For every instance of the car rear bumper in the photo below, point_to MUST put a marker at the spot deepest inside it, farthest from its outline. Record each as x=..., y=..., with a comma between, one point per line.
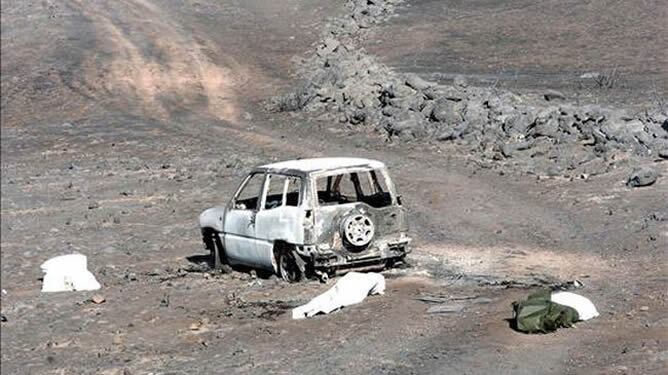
x=378, y=252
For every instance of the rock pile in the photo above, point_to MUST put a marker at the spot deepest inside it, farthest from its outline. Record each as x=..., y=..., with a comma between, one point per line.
x=538, y=133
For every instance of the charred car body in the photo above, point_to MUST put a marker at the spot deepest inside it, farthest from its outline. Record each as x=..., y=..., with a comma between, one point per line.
x=310, y=217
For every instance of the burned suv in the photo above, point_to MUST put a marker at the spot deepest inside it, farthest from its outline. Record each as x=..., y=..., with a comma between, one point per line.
x=310, y=217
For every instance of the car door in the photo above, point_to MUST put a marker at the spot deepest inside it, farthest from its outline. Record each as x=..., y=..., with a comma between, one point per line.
x=239, y=225
x=280, y=217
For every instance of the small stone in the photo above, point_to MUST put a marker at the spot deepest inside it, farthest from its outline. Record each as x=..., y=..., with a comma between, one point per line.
x=644, y=308
x=98, y=299
x=117, y=340
x=93, y=205
x=552, y=95
x=446, y=308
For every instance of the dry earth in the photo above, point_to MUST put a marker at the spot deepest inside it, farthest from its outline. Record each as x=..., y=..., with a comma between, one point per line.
x=121, y=123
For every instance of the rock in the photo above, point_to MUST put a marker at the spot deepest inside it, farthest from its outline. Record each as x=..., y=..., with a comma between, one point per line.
x=447, y=112
x=552, y=95
x=460, y=82
x=590, y=75
x=93, y=205
x=117, y=340
x=415, y=82
x=643, y=176
x=447, y=135
x=517, y=124
x=3, y=318
x=509, y=148
x=481, y=300
x=98, y=299
x=328, y=46
x=475, y=113
x=446, y=308
x=663, y=153
x=444, y=92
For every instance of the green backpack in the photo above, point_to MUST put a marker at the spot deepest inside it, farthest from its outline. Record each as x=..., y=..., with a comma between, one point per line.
x=538, y=314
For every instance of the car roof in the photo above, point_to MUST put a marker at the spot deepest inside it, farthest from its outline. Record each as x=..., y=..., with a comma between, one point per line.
x=317, y=165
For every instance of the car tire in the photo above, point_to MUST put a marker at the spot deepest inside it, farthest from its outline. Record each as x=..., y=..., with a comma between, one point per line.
x=288, y=269
x=213, y=242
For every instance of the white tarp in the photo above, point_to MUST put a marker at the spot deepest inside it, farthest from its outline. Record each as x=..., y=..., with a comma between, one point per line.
x=585, y=308
x=352, y=288
x=67, y=273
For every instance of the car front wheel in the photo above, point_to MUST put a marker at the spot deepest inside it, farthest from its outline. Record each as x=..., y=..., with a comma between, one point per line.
x=215, y=245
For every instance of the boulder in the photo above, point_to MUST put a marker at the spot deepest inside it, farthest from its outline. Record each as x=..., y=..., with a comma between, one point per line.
x=552, y=95
x=447, y=112
x=642, y=176
x=415, y=82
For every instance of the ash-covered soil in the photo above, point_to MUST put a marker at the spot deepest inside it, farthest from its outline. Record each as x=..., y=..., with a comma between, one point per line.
x=122, y=122
x=543, y=134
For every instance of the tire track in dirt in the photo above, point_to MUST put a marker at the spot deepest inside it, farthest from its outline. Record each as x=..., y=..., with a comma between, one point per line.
x=153, y=60
x=157, y=62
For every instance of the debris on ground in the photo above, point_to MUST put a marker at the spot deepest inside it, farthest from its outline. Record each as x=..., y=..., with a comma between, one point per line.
x=351, y=289
x=198, y=325
x=545, y=311
x=450, y=303
x=98, y=299
x=68, y=273
x=643, y=176
x=446, y=308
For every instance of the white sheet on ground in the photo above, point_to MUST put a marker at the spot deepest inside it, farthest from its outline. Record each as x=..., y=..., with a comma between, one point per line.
x=352, y=288
x=585, y=308
x=68, y=273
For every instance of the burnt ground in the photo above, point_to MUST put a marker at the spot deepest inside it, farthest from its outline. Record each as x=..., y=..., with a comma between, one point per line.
x=534, y=45
x=120, y=124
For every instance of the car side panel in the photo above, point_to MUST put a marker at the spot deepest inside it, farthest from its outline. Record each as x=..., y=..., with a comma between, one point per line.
x=284, y=223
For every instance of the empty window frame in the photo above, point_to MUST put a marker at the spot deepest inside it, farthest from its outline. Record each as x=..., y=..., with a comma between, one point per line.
x=282, y=191
x=365, y=186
